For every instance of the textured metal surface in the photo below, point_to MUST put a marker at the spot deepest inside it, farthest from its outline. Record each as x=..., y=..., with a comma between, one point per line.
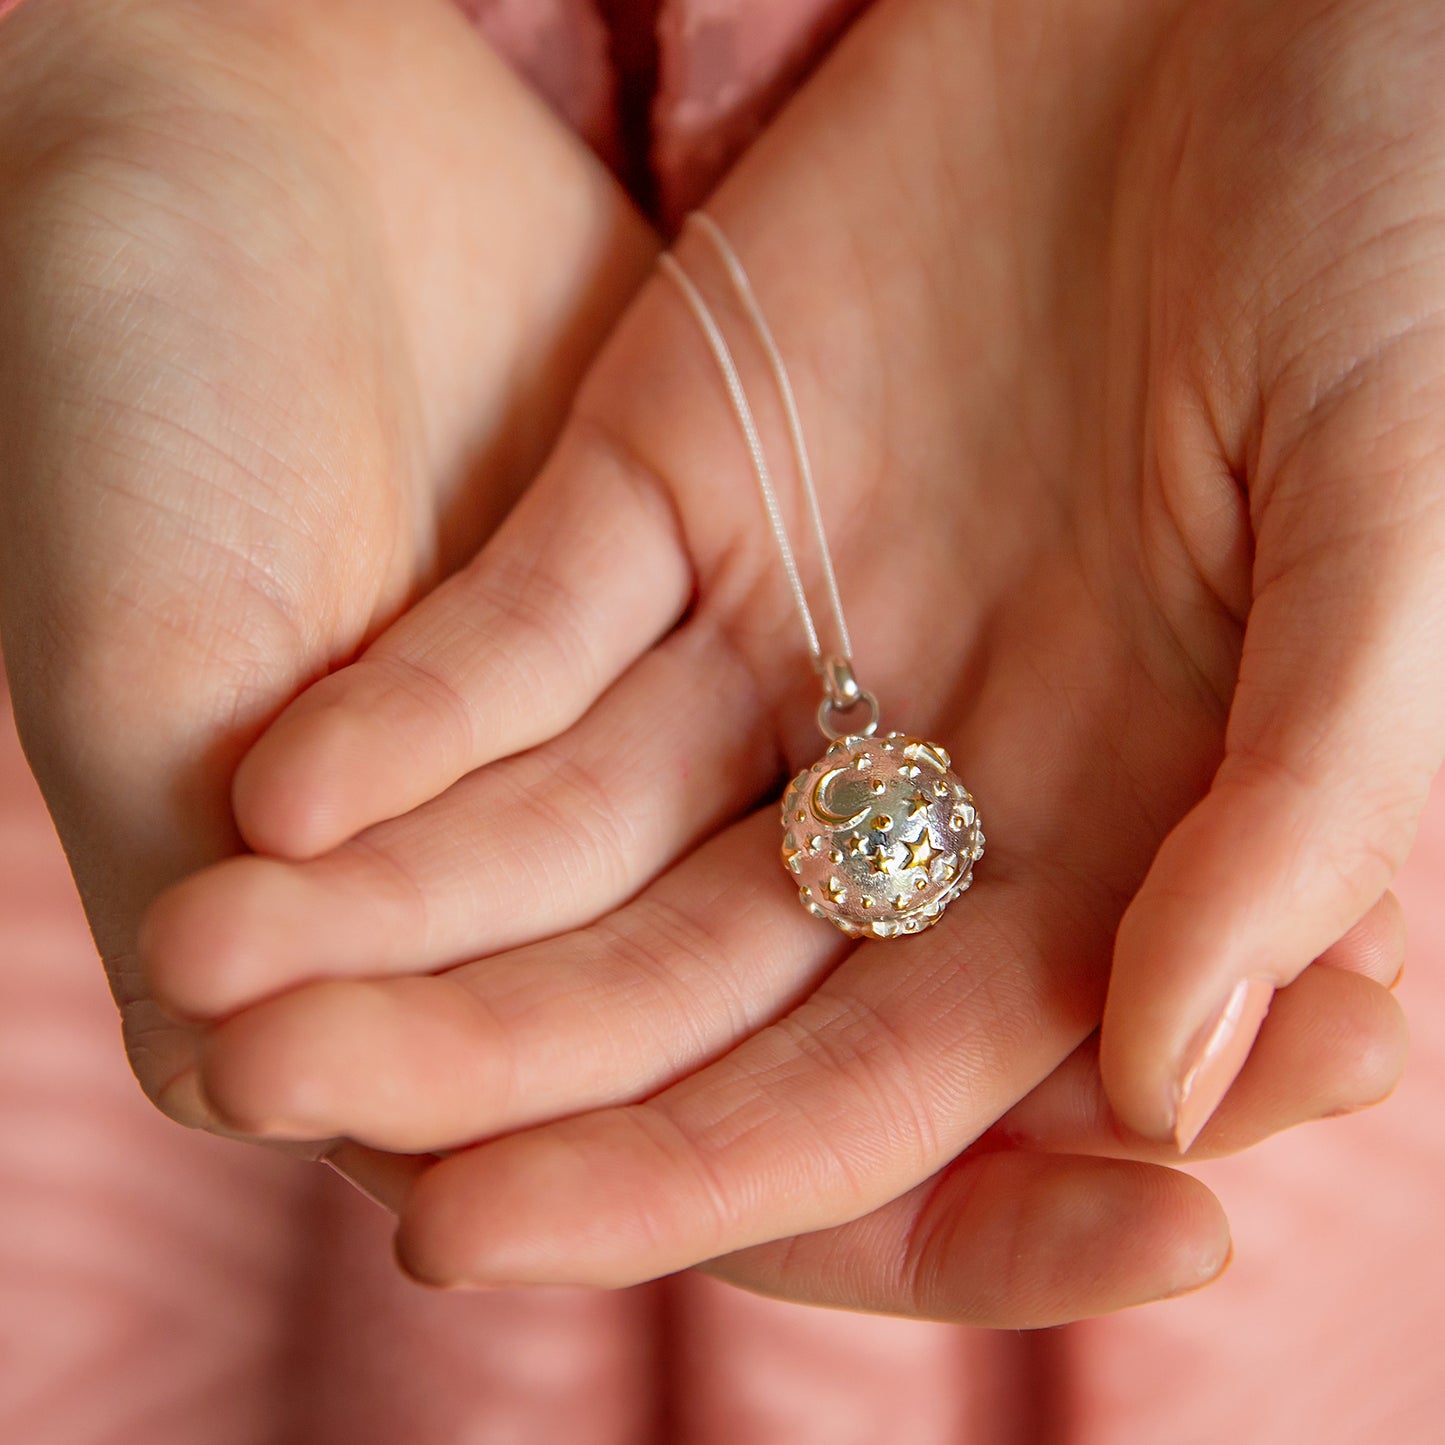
x=880, y=835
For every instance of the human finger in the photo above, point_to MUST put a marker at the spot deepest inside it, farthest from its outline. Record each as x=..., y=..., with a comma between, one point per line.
x=1375, y=946
x=607, y=1014
x=583, y=576
x=891, y=1067
x=524, y=849
x=1336, y=729
x=247, y=407
x=1334, y=1042
x=1006, y=1240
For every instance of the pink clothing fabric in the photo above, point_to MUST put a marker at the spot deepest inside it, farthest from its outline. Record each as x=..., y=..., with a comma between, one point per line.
x=713, y=73
x=562, y=48
x=725, y=67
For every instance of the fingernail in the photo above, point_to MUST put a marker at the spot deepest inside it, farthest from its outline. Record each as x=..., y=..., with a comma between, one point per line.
x=1208, y=1273
x=355, y=1183
x=1218, y=1057
x=429, y=1279
x=385, y=1179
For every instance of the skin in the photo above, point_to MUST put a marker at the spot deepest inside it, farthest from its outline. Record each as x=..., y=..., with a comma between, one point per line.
x=1130, y=479
x=245, y=251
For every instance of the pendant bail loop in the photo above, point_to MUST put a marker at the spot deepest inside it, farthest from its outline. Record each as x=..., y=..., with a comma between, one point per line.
x=839, y=682
x=841, y=694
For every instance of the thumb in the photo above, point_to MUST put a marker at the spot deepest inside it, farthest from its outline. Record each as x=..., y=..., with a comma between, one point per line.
x=1335, y=732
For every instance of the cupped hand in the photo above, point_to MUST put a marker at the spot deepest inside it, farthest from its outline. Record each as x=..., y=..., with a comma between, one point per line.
x=293, y=296
x=1115, y=337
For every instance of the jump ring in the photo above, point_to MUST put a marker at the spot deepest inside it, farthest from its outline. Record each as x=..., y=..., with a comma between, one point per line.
x=827, y=709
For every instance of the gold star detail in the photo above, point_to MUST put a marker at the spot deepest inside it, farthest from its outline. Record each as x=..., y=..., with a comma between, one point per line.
x=917, y=804
x=901, y=901
x=791, y=854
x=856, y=844
x=921, y=851
x=930, y=753
x=881, y=862
x=835, y=889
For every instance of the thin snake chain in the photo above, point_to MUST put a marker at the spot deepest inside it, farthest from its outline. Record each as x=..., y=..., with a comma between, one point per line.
x=879, y=834
x=836, y=668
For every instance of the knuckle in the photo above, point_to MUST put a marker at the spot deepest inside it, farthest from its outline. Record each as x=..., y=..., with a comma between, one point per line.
x=694, y=1196
x=884, y=1084
x=661, y=955
x=405, y=683
x=533, y=627
x=582, y=804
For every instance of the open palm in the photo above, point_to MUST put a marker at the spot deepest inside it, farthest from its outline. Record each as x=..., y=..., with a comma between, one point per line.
x=294, y=297
x=1128, y=482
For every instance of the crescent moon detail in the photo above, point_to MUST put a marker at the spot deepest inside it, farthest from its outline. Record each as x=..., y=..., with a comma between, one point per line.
x=824, y=814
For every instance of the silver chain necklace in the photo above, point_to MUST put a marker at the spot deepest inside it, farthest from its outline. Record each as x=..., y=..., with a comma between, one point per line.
x=879, y=834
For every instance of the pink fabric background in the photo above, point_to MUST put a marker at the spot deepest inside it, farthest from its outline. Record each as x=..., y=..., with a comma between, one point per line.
x=668, y=92
x=168, y=1288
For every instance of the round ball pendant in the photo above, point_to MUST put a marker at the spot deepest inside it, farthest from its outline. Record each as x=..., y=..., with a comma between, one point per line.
x=880, y=835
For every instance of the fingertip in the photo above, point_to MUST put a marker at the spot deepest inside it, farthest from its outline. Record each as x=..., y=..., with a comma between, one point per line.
x=229, y=1073
x=1363, y=1032
x=1165, y=1231
x=1375, y=946
x=417, y=1270
x=184, y=1101
x=414, y=1265
x=1389, y=918
x=1200, y=1244
x=534, y=1208
x=1086, y=1237
x=1209, y=1266
x=1238, y=897
x=426, y=1244
x=173, y=935
x=317, y=777
x=1131, y=1066
x=285, y=1068
x=1370, y=1042
x=206, y=943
